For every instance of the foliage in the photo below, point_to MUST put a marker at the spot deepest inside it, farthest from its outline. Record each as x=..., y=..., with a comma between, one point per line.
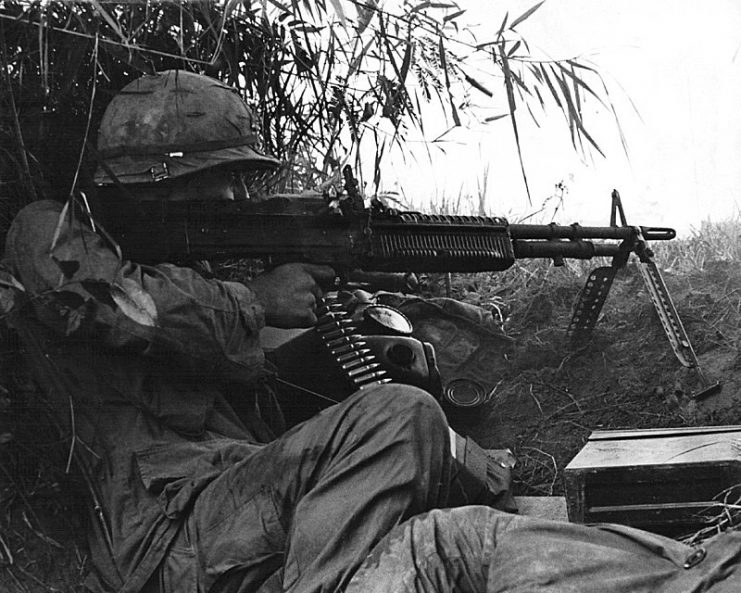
x=625, y=376
x=544, y=408
x=710, y=243
x=326, y=77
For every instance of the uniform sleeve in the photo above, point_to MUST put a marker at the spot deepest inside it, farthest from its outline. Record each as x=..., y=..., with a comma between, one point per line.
x=80, y=285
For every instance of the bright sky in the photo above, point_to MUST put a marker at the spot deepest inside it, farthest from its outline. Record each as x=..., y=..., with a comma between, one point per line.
x=678, y=61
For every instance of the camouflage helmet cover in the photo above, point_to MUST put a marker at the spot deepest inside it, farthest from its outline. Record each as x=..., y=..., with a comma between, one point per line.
x=173, y=123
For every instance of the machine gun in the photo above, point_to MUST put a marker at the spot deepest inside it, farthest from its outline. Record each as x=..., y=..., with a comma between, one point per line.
x=378, y=238
x=339, y=230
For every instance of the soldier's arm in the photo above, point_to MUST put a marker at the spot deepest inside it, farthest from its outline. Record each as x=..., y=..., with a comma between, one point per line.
x=78, y=283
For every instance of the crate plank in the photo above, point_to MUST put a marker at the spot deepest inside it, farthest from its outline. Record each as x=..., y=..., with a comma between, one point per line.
x=663, y=480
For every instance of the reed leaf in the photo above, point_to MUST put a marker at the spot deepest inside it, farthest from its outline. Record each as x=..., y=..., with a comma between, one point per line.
x=283, y=57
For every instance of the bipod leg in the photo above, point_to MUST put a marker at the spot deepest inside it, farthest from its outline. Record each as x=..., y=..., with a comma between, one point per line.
x=708, y=388
x=594, y=294
x=672, y=324
x=591, y=299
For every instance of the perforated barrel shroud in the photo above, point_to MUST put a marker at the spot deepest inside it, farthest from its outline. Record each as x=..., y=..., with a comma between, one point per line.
x=431, y=242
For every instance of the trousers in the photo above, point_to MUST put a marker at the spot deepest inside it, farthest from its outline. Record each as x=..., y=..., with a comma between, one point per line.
x=480, y=550
x=302, y=513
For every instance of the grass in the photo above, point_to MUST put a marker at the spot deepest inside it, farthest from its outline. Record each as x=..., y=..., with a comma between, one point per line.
x=707, y=245
x=625, y=376
x=547, y=402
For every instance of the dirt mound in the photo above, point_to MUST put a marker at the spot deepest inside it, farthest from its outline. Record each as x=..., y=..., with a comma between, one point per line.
x=624, y=376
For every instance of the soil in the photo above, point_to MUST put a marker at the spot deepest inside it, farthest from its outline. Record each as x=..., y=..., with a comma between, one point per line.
x=625, y=375
x=551, y=396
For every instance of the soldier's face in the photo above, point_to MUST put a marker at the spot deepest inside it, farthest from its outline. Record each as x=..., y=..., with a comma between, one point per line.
x=213, y=184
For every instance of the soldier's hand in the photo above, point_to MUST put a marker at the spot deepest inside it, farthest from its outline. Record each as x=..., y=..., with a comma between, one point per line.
x=289, y=293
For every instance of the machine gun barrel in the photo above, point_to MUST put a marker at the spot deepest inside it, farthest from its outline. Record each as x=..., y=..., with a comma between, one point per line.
x=577, y=242
x=574, y=232
x=526, y=249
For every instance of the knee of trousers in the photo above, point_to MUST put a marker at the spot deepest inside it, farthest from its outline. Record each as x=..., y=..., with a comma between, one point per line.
x=446, y=549
x=404, y=405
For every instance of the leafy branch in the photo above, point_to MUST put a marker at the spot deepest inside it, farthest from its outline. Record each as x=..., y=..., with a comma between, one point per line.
x=326, y=76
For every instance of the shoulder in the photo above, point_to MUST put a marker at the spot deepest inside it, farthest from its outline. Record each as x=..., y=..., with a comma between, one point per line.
x=39, y=208
x=35, y=218
x=32, y=225
x=40, y=243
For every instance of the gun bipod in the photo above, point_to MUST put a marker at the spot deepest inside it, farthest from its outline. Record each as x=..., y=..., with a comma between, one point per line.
x=594, y=294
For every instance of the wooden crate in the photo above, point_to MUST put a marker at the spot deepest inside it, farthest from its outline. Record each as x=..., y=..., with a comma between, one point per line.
x=662, y=480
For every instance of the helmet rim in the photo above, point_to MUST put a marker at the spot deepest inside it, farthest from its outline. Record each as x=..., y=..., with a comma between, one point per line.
x=128, y=168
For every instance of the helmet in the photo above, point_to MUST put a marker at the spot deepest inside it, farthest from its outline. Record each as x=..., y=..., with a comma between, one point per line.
x=172, y=123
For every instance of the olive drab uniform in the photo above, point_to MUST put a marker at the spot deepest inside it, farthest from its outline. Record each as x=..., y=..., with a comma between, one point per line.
x=190, y=495
x=480, y=550
x=159, y=375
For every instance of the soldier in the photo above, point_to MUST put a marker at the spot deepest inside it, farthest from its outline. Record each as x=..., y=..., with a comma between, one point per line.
x=142, y=362
x=146, y=363
x=477, y=549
